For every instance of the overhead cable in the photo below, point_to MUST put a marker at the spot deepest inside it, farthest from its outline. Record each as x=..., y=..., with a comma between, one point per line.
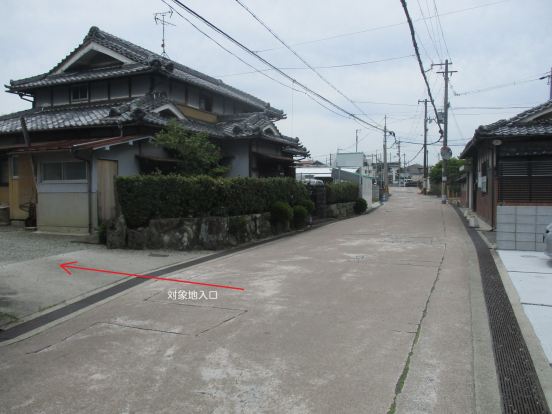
x=441, y=28
x=241, y=46
x=412, y=33
x=300, y=58
x=320, y=67
x=379, y=28
x=541, y=76
x=427, y=28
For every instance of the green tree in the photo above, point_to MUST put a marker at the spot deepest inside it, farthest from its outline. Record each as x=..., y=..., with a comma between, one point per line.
x=436, y=173
x=195, y=154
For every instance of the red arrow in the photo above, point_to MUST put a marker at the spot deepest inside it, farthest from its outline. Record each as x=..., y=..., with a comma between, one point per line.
x=66, y=265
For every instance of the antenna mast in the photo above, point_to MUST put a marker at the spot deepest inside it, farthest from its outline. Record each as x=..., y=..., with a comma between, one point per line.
x=162, y=22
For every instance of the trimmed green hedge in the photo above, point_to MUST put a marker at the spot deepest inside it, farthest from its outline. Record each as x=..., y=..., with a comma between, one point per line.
x=361, y=205
x=343, y=192
x=146, y=197
x=300, y=214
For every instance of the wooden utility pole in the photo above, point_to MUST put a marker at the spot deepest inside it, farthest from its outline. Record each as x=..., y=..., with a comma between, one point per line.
x=399, y=154
x=404, y=169
x=445, y=128
x=445, y=137
x=386, y=175
x=425, y=146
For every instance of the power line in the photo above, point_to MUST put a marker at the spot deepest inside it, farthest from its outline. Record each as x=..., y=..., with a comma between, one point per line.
x=378, y=28
x=503, y=85
x=319, y=67
x=427, y=28
x=300, y=58
x=456, y=122
x=441, y=28
x=241, y=46
x=412, y=33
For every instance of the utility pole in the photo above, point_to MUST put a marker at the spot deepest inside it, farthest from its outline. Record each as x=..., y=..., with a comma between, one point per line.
x=445, y=137
x=386, y=176
x=445, y=130
x=404, y=168
x=425, y=146
x=356, y=146
x=399, y=154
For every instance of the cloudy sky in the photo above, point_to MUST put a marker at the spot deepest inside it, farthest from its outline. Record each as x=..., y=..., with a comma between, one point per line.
x=363, y=49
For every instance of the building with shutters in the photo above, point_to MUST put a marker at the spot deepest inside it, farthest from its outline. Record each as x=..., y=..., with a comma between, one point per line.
x=510, y=178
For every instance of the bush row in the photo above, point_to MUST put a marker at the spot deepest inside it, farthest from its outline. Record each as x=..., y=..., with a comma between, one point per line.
x=343, y=192
x=146, y=197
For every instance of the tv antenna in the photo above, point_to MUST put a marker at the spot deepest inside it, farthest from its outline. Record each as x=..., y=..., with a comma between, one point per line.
x=160, y=19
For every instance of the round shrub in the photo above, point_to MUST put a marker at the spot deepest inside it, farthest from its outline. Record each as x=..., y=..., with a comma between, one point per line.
x=281, y=212
x=309, y=205
x=360, y=205
x=300, y=214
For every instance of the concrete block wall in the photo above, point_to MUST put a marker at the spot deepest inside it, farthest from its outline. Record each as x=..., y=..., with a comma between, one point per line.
x=522, y=227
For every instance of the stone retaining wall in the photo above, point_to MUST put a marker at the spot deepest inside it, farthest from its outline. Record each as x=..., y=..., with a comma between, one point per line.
x=208, y=233
x=340, y=210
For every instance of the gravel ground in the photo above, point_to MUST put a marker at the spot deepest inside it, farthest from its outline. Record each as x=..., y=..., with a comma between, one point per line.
x=19, y=245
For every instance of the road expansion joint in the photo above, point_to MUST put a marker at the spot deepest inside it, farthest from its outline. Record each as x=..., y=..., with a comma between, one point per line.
x=403, y=376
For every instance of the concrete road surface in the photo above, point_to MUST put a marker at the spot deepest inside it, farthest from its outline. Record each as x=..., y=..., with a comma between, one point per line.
x=367, y=315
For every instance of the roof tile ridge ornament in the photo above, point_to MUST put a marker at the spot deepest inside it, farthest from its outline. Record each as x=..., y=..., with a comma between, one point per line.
x=157, y=63
x=94, y=33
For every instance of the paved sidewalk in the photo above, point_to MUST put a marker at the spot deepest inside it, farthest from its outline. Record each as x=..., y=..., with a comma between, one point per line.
x=366, y=315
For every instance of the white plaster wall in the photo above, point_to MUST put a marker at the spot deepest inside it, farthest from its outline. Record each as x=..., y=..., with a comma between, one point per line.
x=151, y=150
x=162, y=85
x=61, y=95
x=218, y=105
x=240, y=162
x=228, y=107
x=43, y=96
x=125, y=154
x=139, y=85
x=179, y=92
x=193, y=97
x=119, y=88
x=98, y=91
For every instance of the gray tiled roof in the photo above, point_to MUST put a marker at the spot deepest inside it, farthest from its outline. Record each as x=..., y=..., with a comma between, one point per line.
x=531, y=128
x=516, y=125
x=145, y=61
x=141, y=110
x=88, y=75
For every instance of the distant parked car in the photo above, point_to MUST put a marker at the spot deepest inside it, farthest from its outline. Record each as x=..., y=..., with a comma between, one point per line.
x=411, y=184
x=313, y=181
x=547, y=240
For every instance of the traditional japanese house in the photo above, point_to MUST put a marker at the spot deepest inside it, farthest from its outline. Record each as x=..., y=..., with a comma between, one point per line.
x=94, y=116
x=511, y=176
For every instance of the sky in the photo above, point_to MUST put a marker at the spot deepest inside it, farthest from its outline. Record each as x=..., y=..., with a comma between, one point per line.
x=362, y=51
